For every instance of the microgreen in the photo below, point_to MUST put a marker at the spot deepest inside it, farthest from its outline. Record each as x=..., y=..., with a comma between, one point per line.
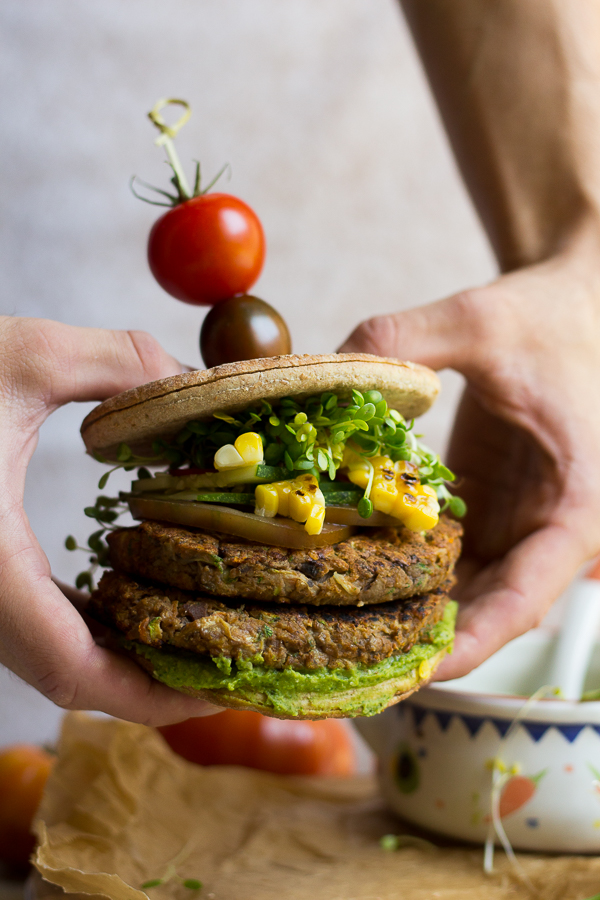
x=105, y=511
x=126, y=460
x=192, y=884
x=304, y=436
x=392, y=842
x=311, y=435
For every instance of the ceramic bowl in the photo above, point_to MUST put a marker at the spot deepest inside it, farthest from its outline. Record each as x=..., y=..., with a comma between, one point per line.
x=436, y=753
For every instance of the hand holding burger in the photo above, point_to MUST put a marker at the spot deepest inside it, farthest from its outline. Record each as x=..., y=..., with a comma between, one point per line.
x=526, y=439
x=43, y=638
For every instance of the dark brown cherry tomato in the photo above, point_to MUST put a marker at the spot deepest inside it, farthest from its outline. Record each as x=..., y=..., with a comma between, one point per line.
x=287, y=747
x=207, y=249
x=243, y=328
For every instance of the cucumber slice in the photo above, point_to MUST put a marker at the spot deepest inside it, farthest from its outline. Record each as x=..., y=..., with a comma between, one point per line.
x=333, y=487
x=233, y=498
x=254, y=474
x=343, y=498
x=243, y=498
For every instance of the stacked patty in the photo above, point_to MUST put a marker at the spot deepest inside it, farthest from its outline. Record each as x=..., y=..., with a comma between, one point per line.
x=356, y=603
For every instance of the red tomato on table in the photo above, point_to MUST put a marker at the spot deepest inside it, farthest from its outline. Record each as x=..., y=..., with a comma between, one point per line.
x=282, y=746
x=24, y=770
x=207, y=249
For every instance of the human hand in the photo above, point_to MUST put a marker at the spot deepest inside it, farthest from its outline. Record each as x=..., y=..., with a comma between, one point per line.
x=526, y=439
x=43, y=638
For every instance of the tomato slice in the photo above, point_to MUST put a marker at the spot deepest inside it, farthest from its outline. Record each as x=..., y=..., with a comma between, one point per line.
x=348, y=515
x=278, y=531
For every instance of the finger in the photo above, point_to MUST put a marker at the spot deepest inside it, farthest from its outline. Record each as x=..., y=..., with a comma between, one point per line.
x=448, y=334
x=44, y=640
x=79, y=599
x=69, y=668
x=512, y=595
x=59, y=363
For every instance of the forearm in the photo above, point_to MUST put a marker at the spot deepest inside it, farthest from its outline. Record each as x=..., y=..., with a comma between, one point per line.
x=518, y=86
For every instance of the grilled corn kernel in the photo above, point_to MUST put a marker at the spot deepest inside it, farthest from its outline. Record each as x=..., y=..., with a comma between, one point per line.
x=300, y=505
x=384, y=494
x=407, y=474
x=299, y=498
x=305, y=496
x=266, y=498
x=418, y=509
x=250, y=448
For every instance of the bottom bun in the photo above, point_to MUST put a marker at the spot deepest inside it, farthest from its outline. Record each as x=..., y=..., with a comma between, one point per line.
x=289, y=694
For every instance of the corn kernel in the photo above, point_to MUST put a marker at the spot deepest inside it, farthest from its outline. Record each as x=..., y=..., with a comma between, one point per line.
x=359, y=477
x=405, y=468
x=310, y=484
x=300, y=505
x=247, y=451
x=417, y=509
x=250, y=448
x=315, y=520
x=384, y=494
x=425, y=669
x=299, y=498
x=284, y=490
x=227, y=457
x=266, y=498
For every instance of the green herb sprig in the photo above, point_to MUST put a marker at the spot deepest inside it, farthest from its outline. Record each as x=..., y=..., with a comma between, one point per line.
x=126, y=460
x=106, y=510
x=305, y=436
x=310, y=436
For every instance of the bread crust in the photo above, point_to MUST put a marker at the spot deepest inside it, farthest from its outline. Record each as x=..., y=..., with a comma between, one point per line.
x=161, y=408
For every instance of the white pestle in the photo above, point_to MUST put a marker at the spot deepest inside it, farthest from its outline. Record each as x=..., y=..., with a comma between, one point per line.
x=577, y=637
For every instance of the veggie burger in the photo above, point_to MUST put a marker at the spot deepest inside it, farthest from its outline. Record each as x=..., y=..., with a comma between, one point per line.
x=293, y=553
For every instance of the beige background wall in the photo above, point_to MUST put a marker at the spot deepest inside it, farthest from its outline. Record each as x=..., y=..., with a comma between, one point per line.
x=322, y=110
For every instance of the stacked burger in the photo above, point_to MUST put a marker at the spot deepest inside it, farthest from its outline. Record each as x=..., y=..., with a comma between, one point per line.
x=291, y=555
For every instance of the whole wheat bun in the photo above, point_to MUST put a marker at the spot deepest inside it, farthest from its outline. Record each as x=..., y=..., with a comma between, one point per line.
x=160, y=409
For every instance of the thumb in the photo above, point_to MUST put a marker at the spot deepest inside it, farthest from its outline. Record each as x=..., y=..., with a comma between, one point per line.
x=440, y=335
x=59, y=363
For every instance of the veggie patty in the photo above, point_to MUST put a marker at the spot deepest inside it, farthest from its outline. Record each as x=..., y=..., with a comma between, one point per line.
x=373, y=566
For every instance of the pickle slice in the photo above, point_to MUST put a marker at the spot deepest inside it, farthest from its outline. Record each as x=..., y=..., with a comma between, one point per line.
x=348, y=515
x=278, y=531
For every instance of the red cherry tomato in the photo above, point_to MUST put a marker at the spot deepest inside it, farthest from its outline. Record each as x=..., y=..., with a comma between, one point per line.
x=207, y=249
x=235, y=738
x=24, y=770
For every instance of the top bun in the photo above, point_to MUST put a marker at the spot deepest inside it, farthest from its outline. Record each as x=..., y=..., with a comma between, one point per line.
x=160, y=409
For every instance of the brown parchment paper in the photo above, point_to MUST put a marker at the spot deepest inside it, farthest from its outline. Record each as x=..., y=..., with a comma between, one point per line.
x=120, y=809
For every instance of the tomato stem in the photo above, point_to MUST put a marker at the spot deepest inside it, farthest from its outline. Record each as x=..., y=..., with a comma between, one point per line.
x=165, y=139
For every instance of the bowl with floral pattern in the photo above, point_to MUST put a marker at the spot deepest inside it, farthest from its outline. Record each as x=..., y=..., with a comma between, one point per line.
x=495, y=753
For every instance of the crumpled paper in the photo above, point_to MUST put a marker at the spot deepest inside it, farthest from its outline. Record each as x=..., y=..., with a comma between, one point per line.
x=121, y=809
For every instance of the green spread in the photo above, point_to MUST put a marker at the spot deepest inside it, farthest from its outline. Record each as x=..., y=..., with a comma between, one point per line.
x=368, y=689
